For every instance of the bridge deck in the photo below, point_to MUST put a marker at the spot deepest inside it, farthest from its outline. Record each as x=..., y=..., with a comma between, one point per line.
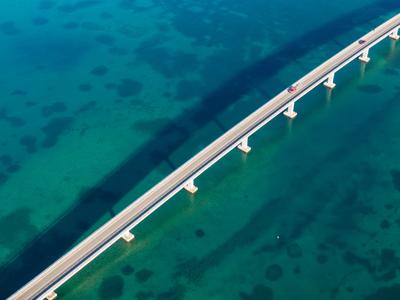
x=68, y=265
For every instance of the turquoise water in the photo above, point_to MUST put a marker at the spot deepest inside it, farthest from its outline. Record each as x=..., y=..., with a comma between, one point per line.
x=101, y=99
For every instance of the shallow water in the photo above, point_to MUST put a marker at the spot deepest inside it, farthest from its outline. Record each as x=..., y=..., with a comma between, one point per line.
x=100, y=100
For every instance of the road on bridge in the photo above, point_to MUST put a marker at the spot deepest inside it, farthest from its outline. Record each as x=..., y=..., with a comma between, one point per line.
x=68, y=265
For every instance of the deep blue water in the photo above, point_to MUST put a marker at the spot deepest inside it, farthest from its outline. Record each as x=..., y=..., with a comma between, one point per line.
x=101, y=99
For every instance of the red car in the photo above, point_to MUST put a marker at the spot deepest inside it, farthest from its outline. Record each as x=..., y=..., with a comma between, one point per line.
x=292, y=89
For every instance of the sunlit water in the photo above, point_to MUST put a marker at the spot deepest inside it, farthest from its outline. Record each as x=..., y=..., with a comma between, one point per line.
x=101, y=99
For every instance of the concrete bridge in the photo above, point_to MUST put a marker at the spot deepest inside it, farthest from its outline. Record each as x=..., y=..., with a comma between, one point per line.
x=44, y=285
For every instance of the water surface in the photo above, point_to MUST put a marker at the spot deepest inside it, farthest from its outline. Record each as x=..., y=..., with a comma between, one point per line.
x=101, y=99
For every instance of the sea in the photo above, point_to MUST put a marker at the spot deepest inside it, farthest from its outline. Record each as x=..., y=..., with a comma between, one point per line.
x=101, y=99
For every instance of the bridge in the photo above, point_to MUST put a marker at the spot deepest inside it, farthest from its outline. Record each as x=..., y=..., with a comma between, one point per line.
x=44, y=285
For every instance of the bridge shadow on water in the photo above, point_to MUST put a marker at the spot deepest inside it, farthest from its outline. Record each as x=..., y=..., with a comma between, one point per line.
x=99, y=200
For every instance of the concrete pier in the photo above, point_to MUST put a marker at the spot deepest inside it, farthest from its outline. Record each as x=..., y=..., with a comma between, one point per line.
x=51, y=296
x=190, y=187
x=128, y=236
x=290, y=113
x=243, y=146
x=329, y=83
x=364, y=56
x=395, y=34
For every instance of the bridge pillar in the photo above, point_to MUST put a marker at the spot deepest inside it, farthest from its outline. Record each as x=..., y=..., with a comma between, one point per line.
x=243, y=146
x=329, y=83
x=51, y=296
x=364, y=56
x=190, y=187
x=290, y=113
x=128, y=236
x=395, y=34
